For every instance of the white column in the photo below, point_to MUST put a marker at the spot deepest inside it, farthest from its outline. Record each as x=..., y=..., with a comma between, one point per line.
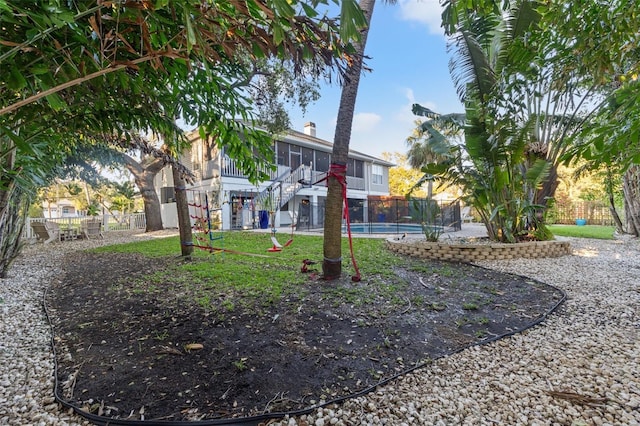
x=314, y=210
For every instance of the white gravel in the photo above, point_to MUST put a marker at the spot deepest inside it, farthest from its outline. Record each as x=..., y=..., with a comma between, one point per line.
x=579, y=367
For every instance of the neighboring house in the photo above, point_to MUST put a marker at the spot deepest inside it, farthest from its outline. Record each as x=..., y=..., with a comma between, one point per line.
x=62, y=208
x=302, y=160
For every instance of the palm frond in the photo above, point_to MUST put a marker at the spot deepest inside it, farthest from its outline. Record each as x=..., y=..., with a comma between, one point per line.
x=451, y=120
x=522, y=15
x=517, y=23
x=421, y=111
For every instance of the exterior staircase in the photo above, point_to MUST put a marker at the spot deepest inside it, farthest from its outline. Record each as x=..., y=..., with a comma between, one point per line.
x=283, y=189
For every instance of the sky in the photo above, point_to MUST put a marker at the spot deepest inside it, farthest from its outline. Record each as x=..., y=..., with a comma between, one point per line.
x=408, y=55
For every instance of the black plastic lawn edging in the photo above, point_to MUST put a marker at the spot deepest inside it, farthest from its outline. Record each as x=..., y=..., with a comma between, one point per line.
x=256, y=420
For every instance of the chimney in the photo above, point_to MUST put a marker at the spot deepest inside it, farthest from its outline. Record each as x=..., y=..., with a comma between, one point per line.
x=310, y=129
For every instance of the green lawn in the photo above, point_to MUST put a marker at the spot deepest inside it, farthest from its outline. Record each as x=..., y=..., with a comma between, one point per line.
x=249, y=266
x=587, y=231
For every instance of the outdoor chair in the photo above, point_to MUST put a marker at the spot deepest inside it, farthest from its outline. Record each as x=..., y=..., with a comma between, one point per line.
x=465, y=215
x=46, y=231
x=92, y=228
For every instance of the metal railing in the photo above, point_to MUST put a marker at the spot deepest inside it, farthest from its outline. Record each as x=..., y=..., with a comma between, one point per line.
x=282, y=189
x=383, y=216
x=230, y=169
x=352, y=182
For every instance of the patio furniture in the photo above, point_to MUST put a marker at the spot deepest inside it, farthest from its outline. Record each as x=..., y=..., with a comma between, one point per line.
x=465, y=215
x=46, y=231
x=69, y=233
x=92, y=228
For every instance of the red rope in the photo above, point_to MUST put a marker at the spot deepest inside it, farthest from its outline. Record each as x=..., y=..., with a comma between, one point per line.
x=339, y=172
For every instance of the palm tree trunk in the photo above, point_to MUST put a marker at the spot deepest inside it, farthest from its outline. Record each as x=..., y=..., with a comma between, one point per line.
x=332, y=246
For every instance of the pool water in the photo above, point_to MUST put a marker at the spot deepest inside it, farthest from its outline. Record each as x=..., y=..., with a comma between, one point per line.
x=384, y=228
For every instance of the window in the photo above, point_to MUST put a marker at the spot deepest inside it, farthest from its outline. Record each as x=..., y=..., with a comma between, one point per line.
x=359, y=169
x=167, y=195
x=350, y=167
x=376, y=172
x=283, y=154
x=196, y=155
x=355, y=168
x=295, y=157
x=307, y=156
x=322, y=161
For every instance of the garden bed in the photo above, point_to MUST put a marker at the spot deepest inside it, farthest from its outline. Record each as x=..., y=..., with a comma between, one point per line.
x=471, y=252
x=132, y=347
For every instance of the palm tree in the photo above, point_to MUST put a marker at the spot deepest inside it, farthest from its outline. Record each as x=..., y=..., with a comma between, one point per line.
x=493, y=165
x=332, y=246
x=431, y=142
x=520, y=69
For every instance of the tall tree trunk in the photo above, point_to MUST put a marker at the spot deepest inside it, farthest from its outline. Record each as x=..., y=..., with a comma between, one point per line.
x=611, y=185
x=13, y=209
x=12, y=219
x=184, y=221
x=614, y=214
x=144, y=173
x=631, y=191
x=332, y=245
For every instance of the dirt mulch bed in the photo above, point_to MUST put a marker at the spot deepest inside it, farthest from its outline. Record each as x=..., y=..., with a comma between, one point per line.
x=130, y=348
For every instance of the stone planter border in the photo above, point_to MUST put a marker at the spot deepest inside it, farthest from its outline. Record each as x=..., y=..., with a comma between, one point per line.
x=469, y=252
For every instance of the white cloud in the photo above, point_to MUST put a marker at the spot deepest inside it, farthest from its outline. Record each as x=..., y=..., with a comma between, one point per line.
x=404, y=114
x=365, y=121
x=427, y=12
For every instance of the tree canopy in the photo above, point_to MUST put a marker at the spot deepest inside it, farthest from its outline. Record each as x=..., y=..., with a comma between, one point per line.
x=541, y=82
x=120, y=65
x=77, y=71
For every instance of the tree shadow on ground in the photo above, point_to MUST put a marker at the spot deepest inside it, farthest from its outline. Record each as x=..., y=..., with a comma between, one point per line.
x=132, y=348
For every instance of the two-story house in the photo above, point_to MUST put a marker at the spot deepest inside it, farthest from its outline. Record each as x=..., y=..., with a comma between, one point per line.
x=293, y=192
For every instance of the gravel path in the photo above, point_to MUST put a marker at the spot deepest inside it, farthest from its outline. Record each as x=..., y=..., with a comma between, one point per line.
x=580, y=367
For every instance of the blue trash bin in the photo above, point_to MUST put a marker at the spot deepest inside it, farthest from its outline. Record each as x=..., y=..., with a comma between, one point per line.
x=263, y=216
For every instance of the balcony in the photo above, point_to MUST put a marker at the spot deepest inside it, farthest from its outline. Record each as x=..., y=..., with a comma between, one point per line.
x=229, y=169
x=352, y=182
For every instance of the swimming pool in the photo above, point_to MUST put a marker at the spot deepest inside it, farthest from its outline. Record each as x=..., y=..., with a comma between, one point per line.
x=384, y=228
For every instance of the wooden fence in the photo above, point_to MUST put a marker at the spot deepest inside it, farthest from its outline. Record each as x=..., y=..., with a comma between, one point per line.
x=595, y=212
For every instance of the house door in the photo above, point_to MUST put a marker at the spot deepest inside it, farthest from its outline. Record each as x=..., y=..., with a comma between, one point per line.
x=296, y=160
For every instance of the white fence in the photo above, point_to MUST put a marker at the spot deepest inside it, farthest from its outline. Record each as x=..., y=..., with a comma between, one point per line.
x=109, y=223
